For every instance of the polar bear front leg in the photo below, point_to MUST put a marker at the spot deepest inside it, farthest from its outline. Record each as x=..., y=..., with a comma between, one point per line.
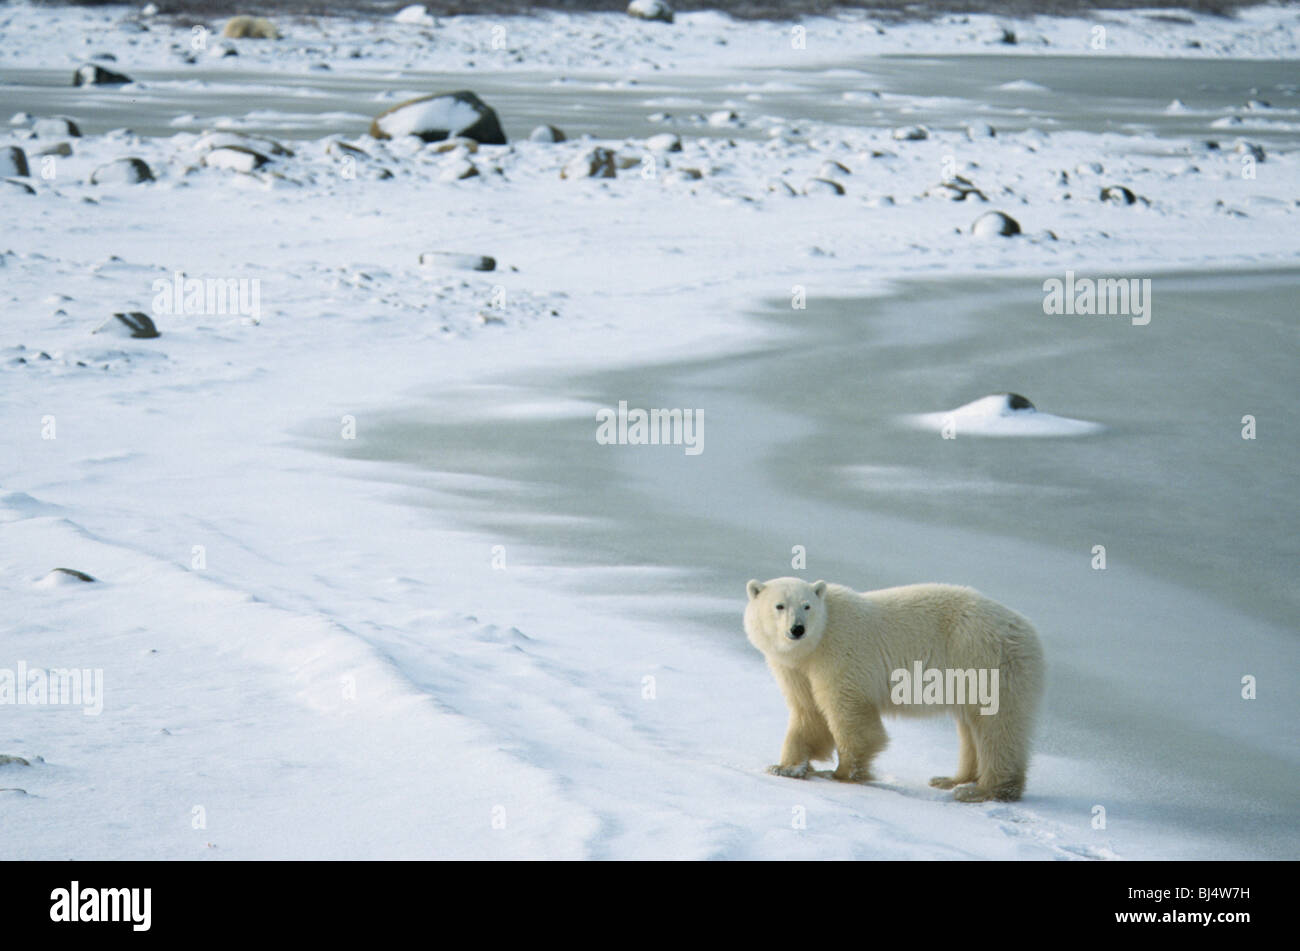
x=806, y=738
x=859, y=736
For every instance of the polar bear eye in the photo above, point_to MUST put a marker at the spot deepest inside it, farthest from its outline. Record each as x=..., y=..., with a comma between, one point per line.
x=780, y=607
x=807, y=607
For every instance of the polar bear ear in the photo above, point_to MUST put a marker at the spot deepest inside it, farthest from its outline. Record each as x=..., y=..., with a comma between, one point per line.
x=754, y=587
x=819, y=588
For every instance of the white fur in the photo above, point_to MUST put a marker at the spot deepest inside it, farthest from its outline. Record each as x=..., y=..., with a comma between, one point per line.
x=836, y=676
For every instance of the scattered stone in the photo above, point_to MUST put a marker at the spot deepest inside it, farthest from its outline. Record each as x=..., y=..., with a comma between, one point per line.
x=13, y=185
x=417, y=14
x=911, y=133
x=48, y=127
x=546, y=133
x=343, y=149
x=1243, y=147
x=235, y=158
x=250, y=28
x=995, y=223
x=830, y=168
x=1118, y=195
x=94, y=75
x=822, y=186
x=723, y=117
x=458, y=170
x=216, y=140
x=123, y=171
x=980, y=130
x=594, y=163
x=664, y=142
x=686, y=174
x=13, y=162
x=488, y=318
x=779, y=187
x=1001, y=35
x=956, y=188
x=73, y=573
x=460, y=262
x=21, y=118
x=468, y=146
x=61, y=149
x=441, y=116
x=8, y=760
x=134, y=324
x=650, y=10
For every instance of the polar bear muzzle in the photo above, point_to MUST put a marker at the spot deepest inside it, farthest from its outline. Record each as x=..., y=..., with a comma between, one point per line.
x=796, y=632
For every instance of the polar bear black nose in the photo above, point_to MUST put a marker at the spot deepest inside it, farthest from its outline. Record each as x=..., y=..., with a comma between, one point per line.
x=797, y=631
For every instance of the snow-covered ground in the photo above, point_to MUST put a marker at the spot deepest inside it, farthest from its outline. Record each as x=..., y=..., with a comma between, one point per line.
x=303, y=657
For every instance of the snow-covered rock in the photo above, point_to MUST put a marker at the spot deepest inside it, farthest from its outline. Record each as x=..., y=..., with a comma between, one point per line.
x=123, y=171
x=441, y=116
x=650, y=10
x=994, y=224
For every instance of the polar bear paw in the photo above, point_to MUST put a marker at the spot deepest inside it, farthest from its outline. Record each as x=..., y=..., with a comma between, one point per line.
x=945, y=782
x=860, y=774
x=798, y=771
x=970, y=792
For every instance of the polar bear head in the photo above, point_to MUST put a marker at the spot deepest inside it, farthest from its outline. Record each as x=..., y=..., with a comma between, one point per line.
x=786, y=617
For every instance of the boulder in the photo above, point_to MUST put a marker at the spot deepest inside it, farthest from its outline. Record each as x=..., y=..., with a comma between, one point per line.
x=93, y=74
x=236, y=158
x=546, y=133
x=134, y=324
x=822, y=186
x=13, y=162
x=911, y=133
x=1118, y=195
x=664, y=142
x=48, y=127
x=441, y=116
x=650, y=10
x=123, y=171
x=995, y=223
x=594, y=163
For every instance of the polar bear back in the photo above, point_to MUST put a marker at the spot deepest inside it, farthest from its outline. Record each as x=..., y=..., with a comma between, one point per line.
x=870, y=634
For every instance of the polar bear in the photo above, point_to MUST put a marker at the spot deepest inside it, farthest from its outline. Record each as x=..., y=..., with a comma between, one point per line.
x=842, y=658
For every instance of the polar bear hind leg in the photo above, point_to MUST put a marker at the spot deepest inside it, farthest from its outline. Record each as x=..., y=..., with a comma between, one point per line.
x=967, y=770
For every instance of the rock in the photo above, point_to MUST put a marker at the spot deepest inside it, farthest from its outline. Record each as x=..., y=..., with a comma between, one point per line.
x=417, y=14
x=12, y=185
x=458, y=170
x=594, y=163
x=95, y=75
x=1017, y=402
x=1243, y=147
x=546, y=133
x=123, y=171
x=664, y=142
x=134, y=324
x=685, y=175
x=48, y=127
x=344, y=150
x=995, y=223
x=650, y=10
x=250, y=28
x=236, y=158
x=723, y=117
x=215, y=140
x=13, y=162
x=441, y=116
x=822, y=186
x=73, y=573
x=830, y=168
x=980, y=130
x=460, y=262
x=21, y=118
x=956, y=188
x=61, y=149
x=911, y=133
x=458, y=144
x=7, y=760
x=999, y=34
x=1117, y=195
x=1089, y=168
x=779, y=187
